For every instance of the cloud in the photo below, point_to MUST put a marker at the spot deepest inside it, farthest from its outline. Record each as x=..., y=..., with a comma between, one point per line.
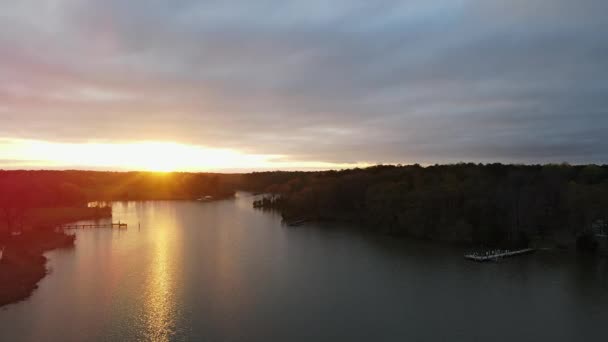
x=339, y=81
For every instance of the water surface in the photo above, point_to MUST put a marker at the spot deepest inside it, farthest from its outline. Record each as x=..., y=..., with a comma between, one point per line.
x=222, y=271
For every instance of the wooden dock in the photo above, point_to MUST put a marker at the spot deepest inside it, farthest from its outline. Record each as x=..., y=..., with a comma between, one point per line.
x=495, y=255
x=118, y=225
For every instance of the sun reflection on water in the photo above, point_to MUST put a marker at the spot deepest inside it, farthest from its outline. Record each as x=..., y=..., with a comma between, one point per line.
x=159, y=299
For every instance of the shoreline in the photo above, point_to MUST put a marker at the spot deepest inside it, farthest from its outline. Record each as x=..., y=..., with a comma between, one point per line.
x=357, y=224
x=23, y=264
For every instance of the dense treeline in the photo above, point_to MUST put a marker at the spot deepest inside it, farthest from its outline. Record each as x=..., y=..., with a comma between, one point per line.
x=23, y=191
x=53, y=188
x=489, y=204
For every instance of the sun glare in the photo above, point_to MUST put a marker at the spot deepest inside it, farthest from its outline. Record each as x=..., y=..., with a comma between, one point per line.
x=145, y=156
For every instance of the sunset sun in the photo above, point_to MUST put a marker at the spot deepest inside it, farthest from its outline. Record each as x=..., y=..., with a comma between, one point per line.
x=155, y=156
x=146, y=156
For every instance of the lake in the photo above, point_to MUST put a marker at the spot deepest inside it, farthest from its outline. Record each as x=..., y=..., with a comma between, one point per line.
x=222, y=271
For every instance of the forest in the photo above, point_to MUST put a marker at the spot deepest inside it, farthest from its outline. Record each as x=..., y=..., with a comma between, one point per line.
x=50, y=188
x=35, y=197
x=492, y=204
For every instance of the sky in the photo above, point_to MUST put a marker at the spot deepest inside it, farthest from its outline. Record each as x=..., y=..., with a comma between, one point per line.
x=269, y=84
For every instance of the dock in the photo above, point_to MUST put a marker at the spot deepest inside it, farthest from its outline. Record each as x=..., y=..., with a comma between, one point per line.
x=497, y=254
x=118, y=225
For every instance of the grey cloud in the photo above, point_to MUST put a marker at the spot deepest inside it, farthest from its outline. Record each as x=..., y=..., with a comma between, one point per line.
x=339, y=81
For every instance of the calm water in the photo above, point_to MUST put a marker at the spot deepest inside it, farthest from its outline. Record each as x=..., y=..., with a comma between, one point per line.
x=224, y=272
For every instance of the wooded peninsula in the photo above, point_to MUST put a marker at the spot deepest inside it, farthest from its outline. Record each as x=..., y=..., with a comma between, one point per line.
x=491, y=205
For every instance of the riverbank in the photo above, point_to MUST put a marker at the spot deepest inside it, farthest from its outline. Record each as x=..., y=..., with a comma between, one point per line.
x=23, y=264
x=562, y=241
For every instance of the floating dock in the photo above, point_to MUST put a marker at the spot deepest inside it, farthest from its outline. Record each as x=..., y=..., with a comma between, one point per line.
x=118, y=225
x=497, y=254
